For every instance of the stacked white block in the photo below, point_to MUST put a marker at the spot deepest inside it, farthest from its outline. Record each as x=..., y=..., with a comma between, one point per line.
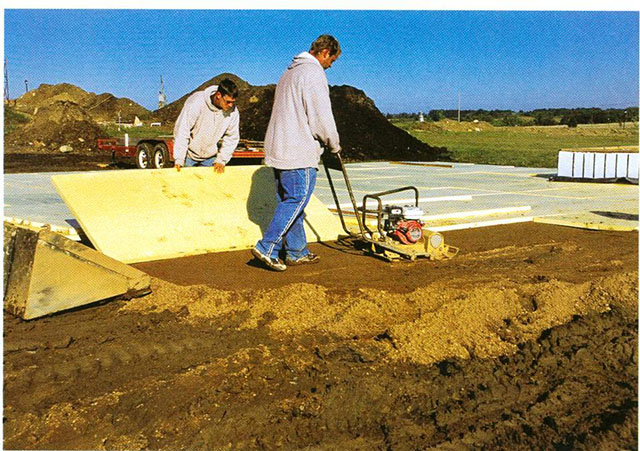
x=597, y=165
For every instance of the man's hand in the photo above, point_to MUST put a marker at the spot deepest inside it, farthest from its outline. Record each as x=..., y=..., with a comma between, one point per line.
x=178, y=166
x=218, y=168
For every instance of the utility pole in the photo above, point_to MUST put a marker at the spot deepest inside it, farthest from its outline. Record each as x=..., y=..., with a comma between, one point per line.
x=162, y=98
x=6, y=81
x=458, y=106
x=26, y=86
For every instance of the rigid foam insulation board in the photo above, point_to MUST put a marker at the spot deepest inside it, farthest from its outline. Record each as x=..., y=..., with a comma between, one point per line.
x=144, y=215
x=632, y=172
x=565, y=164
x=45, y=273
x=592, y=165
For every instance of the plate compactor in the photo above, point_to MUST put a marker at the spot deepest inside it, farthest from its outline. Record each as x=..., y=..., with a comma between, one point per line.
x=398, y=233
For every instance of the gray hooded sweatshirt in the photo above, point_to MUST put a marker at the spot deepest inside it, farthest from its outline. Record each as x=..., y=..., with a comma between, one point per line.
x=301, y=120
x=201, y=125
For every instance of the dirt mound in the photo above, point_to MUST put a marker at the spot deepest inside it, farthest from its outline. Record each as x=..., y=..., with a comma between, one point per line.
x=61, y=123
x=102, y=107
x=293, y=373
x=170, y=112
x=46, y=94
x=105, y=108
x=365, y=134
x=65, y=114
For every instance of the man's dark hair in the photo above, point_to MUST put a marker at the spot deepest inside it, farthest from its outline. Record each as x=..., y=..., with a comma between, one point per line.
x=228, y=88
x=326, y=41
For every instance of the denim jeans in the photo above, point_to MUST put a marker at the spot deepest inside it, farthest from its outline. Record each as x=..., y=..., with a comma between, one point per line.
x=188, y=162
x=286, y=231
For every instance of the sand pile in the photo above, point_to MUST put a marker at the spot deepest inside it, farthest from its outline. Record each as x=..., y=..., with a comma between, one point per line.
x=420, y=324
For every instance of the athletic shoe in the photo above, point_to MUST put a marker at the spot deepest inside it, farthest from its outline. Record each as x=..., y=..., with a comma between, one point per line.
x=306, y=260
x=272, y=263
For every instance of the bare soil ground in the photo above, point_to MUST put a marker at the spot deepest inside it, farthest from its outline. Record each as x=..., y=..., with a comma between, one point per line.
x=526, y=340
x=25, y=161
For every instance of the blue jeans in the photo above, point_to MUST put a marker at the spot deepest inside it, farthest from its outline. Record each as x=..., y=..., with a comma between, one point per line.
x=188, y=162
x=286, y=231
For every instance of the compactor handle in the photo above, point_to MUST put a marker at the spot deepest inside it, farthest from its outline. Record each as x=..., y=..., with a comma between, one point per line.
x=332, y=160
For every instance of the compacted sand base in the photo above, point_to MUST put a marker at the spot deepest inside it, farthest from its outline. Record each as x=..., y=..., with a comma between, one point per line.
x=526, y=340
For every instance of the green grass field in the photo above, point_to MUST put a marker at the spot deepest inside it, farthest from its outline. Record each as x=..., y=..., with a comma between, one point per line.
x=531, y=146
x=112, y=131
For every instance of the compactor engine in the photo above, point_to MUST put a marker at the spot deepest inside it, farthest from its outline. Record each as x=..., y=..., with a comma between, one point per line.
x=398, y=232
x=403, y=223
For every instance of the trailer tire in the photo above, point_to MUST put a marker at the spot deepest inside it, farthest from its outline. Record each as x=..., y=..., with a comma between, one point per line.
x=143, y=156
x=160, y=156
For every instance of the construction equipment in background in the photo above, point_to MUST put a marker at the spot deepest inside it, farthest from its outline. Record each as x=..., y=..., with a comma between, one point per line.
x=45, y=273
x=398, y=232
x=157, y=152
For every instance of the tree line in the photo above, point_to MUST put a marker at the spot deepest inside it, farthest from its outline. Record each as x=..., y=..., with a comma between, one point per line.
x=547, y=116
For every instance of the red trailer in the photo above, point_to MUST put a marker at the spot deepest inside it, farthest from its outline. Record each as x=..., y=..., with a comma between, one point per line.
x=157, y=152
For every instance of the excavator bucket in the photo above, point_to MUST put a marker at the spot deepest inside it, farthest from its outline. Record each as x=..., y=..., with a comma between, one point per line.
x=44, y=273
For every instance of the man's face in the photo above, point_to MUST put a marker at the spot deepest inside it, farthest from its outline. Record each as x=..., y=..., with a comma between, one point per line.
x=326, y=59
x=225, y=102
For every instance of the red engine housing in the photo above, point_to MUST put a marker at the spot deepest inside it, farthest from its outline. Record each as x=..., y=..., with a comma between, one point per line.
x=408, y=232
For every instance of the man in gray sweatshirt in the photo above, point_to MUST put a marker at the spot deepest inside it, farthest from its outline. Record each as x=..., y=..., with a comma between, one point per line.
x=207, y=117
x=300, y=128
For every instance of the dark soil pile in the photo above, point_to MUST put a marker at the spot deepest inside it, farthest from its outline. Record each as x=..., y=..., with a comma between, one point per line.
x=365, y=134
x=170, y=112
x=61, y=123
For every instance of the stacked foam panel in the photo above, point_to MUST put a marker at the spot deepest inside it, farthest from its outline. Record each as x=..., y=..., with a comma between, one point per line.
x=597, y=166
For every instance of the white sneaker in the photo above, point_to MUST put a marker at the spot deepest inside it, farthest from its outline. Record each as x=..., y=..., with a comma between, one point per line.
x=272, y=263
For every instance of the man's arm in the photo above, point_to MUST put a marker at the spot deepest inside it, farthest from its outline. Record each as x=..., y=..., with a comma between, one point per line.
x=182, y=131
x=318, y=109
x=230, y=140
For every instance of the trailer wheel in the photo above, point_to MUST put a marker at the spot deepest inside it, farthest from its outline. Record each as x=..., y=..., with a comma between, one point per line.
x=160, y=156
x=143, y=156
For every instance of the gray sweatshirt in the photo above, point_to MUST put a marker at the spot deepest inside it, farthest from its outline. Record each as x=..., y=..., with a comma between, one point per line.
x=301, y=120
x=201, y=125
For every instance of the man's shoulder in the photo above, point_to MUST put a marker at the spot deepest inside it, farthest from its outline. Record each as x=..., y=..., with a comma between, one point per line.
x=197, y=96
x=308, y=73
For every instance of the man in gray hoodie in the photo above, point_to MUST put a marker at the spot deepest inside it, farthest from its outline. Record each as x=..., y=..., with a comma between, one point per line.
x=207, y=117
x=300, y=128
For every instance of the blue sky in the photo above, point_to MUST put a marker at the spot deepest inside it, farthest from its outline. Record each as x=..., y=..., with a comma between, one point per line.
x=404, y=60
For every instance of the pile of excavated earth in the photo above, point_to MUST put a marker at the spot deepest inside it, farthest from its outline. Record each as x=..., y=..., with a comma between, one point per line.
x=65, y=117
